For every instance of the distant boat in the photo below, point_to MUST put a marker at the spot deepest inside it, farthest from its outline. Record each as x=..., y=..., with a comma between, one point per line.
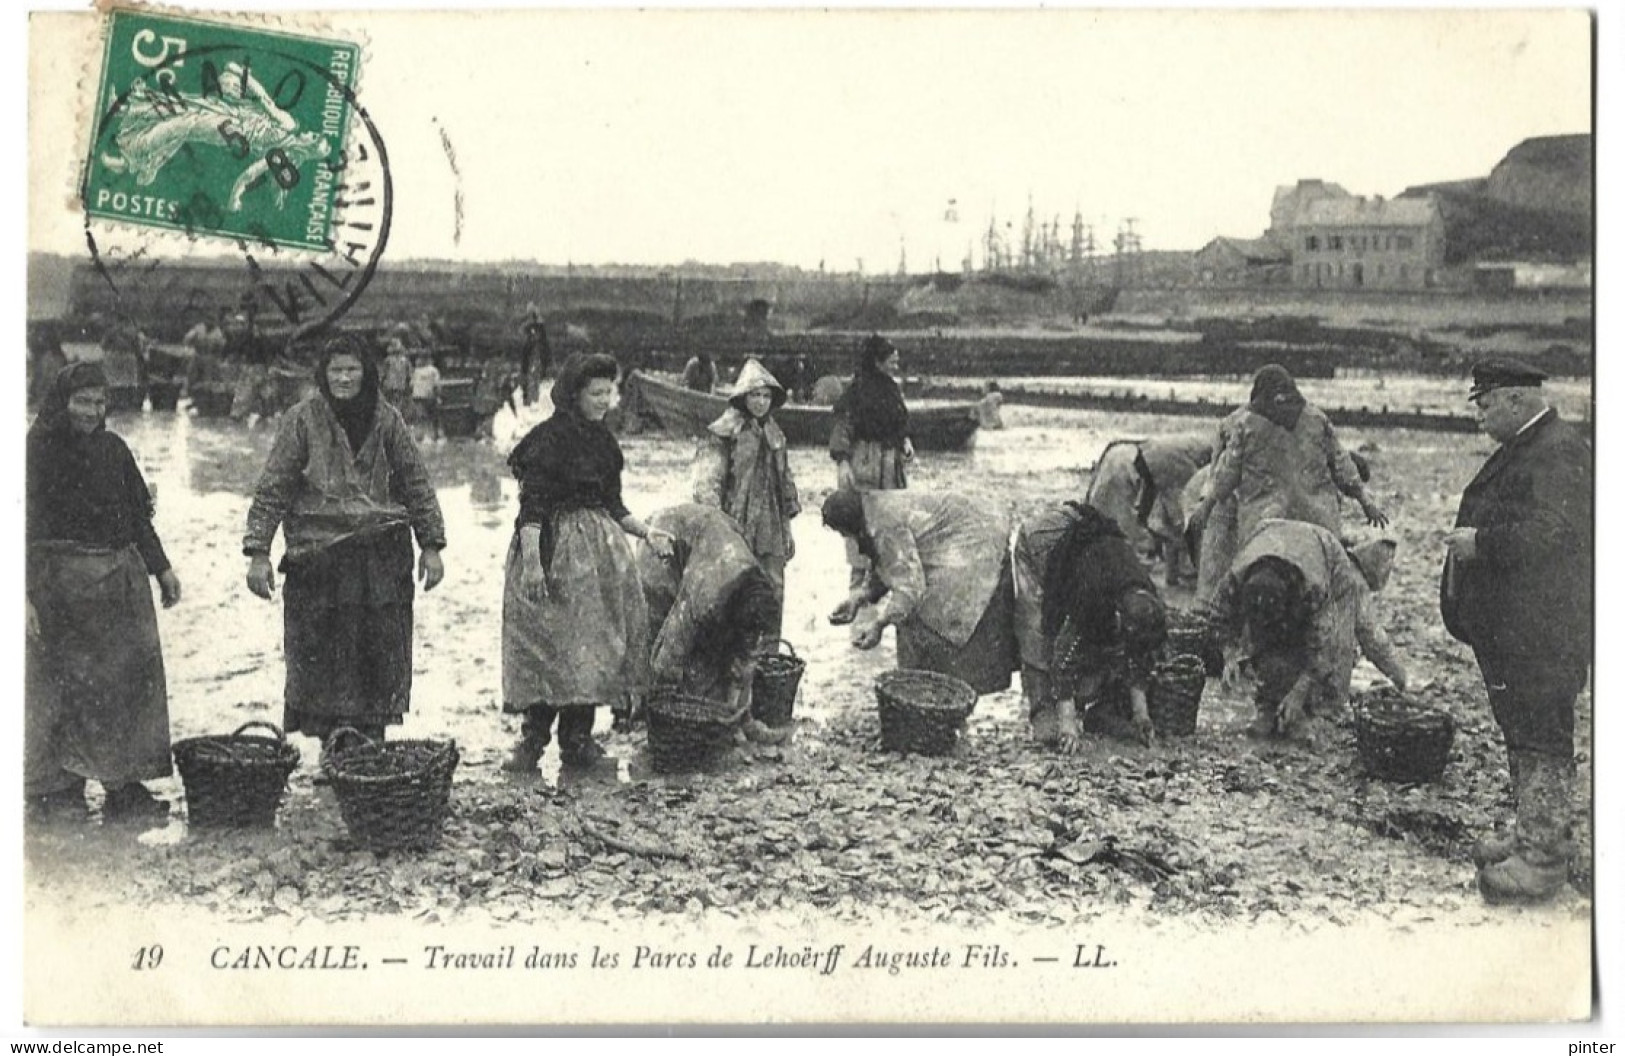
x=685, y=412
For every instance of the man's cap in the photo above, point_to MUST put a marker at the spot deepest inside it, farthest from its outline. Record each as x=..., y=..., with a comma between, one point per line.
x=1503, y=372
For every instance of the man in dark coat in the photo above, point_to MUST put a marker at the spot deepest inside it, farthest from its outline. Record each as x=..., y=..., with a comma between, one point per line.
x=1517, y=588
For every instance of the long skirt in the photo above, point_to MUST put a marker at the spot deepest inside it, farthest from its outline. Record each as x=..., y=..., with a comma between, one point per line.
x=347, y=635
x=586, y=643
x=875, y=467
x=96, y=703
x=985, y=662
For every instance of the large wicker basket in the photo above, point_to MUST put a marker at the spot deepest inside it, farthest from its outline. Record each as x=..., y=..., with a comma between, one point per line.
x=688, y=733
x=235, y=781
x=1401, y=740
x=922, y=711
x=393, y=795
x=773, y=693
x=1174, y=695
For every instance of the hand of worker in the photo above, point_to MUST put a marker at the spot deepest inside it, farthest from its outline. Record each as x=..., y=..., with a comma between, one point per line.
x=844, y=477
x=431, y=570
x=1373, y=513
x=1462, y=543
x=169, y=588
x=533, y=582
x=866, y=635
x=663, y=543
x=1144, y=729
x=261, y=579
x=846, y=611
x=908, y=450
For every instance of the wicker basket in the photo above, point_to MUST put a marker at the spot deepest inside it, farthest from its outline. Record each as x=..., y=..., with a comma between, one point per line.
x=688, y=733
x=773, y=693
x=1190, y=634
x=922, y=711
x=392, y=794
x=1400, y=740
x=235, y=781
x=1175, y=695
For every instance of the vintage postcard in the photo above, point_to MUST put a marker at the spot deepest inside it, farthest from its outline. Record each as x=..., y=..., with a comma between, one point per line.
x=542, y=518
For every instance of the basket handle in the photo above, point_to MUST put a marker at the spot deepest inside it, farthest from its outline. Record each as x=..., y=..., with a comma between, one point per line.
x=792, y=649
x=333, y=738
x=276, y=730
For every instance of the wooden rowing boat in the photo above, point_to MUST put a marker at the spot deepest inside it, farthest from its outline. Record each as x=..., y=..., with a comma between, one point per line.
x=684, y=412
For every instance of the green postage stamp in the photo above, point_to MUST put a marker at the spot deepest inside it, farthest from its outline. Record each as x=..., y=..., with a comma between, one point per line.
x=219, y=129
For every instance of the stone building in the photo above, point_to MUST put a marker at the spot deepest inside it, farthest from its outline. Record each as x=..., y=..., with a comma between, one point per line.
x=1227, y=261
x=1355, y=243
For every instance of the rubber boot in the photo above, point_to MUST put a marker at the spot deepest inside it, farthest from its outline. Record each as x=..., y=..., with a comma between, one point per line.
x=1539, y=868
x=533, y=741
x=576, y=744
x=132, y=802
x=1501, y=846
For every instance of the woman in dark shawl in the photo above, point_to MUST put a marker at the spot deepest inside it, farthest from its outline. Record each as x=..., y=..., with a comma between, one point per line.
x=345, y=483
x=869, y=436
x=575, y=627
x=1105, y=626
x=96, y=703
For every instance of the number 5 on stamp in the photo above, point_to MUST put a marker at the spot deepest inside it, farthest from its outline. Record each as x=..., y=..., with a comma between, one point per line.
x=221, y=130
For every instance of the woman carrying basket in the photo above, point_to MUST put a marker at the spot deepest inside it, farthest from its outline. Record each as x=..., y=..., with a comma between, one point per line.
x=345, y=483
x=939, y=571
x=575, y=627
x=95, y=702
x=1300, y=608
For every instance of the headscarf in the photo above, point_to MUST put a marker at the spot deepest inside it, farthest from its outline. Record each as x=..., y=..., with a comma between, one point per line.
x=589, y=447
x=1066, y=576
x=1274, y=602
x=1275, y=396
x=752, y=376
x=1142, y=620
x=873, y=402
x=88, y=477
x=52, y=419
x=357, y=414
x=744, y=619
x=843, y=511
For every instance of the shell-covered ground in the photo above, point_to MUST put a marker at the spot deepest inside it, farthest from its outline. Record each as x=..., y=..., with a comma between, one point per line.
x=1212, y=829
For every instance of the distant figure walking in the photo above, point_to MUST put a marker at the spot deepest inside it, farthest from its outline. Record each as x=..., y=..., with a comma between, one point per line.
x=699, y=373
x=988, y=409
x=535, y=355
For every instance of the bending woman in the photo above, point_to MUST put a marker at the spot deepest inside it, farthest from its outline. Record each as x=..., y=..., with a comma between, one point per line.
x=940, y=573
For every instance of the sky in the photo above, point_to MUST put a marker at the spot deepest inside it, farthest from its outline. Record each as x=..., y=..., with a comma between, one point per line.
x=831, y=137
